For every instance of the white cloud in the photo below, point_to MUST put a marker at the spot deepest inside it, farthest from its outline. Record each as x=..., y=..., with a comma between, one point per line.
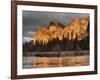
x=30, y=32
x=27, y=39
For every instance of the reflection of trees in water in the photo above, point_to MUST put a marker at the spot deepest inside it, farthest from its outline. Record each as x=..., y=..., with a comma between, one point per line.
x=59, y=37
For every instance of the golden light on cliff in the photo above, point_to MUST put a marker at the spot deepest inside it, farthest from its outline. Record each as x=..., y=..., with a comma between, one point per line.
x=57, y=33
x=41, y=36
x=76, y=30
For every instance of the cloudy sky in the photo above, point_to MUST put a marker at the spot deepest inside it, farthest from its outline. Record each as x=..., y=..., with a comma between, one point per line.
x=32, y=20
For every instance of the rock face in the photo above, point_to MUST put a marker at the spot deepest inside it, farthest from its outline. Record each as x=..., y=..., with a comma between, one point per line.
x=76, y=30
x=60, y=37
